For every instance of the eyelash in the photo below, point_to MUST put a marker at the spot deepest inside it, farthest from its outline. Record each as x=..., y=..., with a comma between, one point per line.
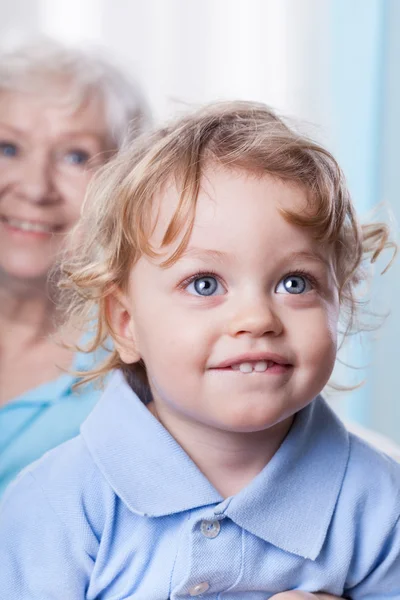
x=297, y=273
x=6, y=143
x=303, y=273
x=198, y=275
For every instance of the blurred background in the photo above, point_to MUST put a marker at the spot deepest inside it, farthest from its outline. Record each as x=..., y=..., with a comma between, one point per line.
x=331, y=65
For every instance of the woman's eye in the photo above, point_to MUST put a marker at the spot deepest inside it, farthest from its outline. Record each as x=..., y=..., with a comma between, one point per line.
x=77, y=157
x=294, y=284
x=205, y=286
x=8, y=150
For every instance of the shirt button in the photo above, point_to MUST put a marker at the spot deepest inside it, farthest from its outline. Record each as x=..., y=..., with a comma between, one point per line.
x=210, y=529
x=198, y=589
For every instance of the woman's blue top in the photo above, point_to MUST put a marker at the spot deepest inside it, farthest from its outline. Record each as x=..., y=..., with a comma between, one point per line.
x=43, y=417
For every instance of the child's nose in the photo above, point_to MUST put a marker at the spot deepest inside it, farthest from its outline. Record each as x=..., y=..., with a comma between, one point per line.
x=255, y=318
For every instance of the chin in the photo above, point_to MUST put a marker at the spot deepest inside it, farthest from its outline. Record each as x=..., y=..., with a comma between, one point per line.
x=28, y=274
x=252, y=422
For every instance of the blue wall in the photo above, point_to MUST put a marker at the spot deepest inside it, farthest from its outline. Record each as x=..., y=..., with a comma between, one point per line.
x=385, y=411
x=358, y=55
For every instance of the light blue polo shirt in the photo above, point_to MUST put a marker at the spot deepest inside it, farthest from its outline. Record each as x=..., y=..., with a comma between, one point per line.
x=122, y=513
x=44, y=417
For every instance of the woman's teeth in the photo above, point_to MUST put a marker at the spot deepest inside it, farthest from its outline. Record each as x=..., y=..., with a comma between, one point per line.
x=248, y=367
x=30, y=226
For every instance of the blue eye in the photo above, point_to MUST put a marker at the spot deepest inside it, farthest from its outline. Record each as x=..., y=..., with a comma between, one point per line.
x=293, y=284
x=205, y=286
x=8, y=150
x=77, y=157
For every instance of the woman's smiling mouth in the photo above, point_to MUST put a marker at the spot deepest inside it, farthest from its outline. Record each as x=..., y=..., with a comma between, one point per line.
x=28, y=226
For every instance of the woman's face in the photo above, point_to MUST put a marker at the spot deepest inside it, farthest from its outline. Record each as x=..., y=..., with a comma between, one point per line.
x=48, y=152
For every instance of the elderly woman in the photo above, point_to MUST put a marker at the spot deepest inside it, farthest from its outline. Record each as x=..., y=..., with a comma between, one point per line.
x=63, y=112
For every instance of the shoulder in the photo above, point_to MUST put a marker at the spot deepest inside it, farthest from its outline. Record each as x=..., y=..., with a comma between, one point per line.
x=66, y=486
x=63, y=466
x=383, y=471
x=49, y=526
x=377, y=440
x=368, y=476
x=368, y=513
x=371, y=486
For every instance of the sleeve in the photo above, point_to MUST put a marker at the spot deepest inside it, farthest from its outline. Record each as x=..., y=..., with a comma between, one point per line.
x=40, y=558
x=383, y=580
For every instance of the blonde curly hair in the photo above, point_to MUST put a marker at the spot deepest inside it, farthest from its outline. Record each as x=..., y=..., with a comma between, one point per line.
x=116, y=222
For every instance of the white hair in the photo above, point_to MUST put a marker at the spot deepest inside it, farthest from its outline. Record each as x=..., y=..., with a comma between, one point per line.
x=31, y=65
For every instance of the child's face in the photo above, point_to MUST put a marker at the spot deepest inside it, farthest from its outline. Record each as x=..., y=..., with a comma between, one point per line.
x=251, y=291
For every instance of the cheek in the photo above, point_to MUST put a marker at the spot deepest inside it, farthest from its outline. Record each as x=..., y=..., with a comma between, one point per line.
x=73, y=195
x=316, y=336
x=170, y=338
x=11, y=175
x=8, y=171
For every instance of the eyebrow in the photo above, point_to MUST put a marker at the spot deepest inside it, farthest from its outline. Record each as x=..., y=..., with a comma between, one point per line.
x=308, y=255
x=203, y=253
x=98, y=134
x=206, y=253
x=78, y=133
x=11, y=128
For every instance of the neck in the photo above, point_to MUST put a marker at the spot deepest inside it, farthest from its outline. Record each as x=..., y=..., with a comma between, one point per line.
x=27, y=312
x=229, y=460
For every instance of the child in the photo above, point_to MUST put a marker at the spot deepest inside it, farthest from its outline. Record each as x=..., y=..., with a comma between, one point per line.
x=218, y=253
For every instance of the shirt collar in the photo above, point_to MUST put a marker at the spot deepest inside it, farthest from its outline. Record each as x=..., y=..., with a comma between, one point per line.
x=289, y=504
x=141, y=461
x=293, y=499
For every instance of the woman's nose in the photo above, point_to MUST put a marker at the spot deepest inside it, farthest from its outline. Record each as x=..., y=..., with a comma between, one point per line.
x=34, y=183
x=255, y=317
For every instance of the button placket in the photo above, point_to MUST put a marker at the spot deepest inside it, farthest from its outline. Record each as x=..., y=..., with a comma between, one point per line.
x=205, y=556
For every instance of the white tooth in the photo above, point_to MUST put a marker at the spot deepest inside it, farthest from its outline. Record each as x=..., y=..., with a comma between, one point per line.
x=246, y=367
x=261, y=366
x=235, y=367
x=28, y=226
x=14, y=222
x=44, y=228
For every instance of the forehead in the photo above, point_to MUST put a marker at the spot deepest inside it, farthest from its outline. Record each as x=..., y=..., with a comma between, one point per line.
x=53, y=110
x=234, y=206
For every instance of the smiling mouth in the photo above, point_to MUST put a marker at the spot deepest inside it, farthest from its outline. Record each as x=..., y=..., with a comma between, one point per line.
x=30, y=226
x=257, y=366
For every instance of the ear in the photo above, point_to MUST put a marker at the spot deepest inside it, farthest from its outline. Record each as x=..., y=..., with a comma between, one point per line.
x=119, y=315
